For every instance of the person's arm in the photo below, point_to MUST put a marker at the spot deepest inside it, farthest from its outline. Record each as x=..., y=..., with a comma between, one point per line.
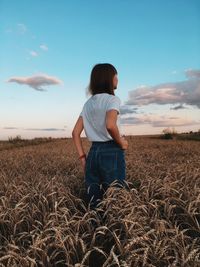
x=111, y=125
x=78, y=128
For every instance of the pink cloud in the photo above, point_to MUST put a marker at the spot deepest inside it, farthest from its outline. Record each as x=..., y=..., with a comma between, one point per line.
x=37, y=82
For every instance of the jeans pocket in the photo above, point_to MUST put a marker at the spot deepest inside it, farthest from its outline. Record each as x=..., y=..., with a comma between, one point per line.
x=108, y=161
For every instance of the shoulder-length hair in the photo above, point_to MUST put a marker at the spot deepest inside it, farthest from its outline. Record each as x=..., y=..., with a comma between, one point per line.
x=101, y=79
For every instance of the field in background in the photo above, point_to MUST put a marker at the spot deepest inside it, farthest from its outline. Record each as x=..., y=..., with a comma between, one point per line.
x=45, y=221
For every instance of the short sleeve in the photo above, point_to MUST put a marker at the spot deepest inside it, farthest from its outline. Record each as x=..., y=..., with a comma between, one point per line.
x=81, y=114
x=114, y=103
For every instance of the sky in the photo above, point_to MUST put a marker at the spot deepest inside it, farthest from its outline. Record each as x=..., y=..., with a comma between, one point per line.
x=48, y=49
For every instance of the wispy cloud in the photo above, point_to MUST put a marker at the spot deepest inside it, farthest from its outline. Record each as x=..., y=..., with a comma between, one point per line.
x=174, y=72
x=192, y=73
x=8, y=30
x=33, y=53
x=21, y=28
x=184, y=92
x=44, y=47
x=10, y=128
x=127, y=110
x=157, y=120
x=178, y=107
x=44, y=129
x=34, y=129
x=37, y=82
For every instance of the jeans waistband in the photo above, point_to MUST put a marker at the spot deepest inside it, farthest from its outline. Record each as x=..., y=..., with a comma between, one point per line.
x=102, y=143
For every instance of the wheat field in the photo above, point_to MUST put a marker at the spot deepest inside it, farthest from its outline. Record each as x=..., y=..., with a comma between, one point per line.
x=45, y=219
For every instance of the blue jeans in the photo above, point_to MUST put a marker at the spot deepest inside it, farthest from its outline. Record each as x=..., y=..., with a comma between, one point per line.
x=105, y=163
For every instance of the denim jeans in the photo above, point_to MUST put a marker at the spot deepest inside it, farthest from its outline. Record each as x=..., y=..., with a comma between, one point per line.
x=105, y=163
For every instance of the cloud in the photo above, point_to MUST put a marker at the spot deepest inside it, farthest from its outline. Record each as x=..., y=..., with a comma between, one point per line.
x=21, y=28
x=174, y=72
x=8, y=30
x=157, y=120
x=34, y=129
x=127, y=110
x=44, y=47
x=178, y=107
x=18, y=29
x=10, y=128
x=36, y=82
x=192, y=73
x=183, y=92
x=33, y=53
x=44, y=129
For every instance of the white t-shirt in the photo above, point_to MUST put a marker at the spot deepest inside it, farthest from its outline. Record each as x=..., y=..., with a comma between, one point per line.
x=94, y=116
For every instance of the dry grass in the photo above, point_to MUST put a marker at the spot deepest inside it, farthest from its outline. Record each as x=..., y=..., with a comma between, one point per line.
x=45, y=221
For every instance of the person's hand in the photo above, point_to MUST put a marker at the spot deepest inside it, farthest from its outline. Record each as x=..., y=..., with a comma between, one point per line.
x=124, y=143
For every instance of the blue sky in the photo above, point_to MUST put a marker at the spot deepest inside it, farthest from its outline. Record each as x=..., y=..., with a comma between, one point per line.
x=48, y=49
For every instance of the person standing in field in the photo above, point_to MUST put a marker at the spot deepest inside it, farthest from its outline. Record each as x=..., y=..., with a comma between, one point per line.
x=105, y=162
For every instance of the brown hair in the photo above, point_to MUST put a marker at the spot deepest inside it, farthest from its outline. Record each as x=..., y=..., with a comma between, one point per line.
x=101, y=79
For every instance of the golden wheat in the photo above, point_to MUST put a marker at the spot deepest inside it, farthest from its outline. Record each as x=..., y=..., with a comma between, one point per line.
x=45, y=219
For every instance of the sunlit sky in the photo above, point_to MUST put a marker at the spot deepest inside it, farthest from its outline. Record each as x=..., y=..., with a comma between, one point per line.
x=48, y=49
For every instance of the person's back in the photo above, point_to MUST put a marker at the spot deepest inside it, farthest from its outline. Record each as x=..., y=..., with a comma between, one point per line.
x=94, y=115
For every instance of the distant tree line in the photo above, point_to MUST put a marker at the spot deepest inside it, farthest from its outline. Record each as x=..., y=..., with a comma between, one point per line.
x=171, y=133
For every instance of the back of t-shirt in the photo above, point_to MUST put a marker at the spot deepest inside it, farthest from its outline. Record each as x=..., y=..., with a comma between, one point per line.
x=94, y=115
